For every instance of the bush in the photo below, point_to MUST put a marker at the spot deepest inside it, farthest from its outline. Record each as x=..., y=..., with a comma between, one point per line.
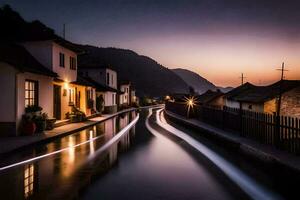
x=31, y=109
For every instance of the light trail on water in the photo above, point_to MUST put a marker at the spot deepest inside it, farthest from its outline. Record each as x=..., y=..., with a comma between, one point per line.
x=246, y=183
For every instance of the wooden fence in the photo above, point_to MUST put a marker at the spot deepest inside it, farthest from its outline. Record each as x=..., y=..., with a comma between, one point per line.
x=282, y=132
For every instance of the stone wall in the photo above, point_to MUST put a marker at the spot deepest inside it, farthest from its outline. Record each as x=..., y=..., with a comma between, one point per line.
x=290, y=103
x=270, y=106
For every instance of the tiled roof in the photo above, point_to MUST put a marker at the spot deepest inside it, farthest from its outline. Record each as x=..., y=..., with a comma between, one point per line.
x=18, y=57
x=258, y=94
x=208, y=96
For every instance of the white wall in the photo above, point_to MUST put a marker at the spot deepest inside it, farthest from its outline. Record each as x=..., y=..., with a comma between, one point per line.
x=133, y=97
x=8, y=86
x=112, y=78
x=45, y=93
x=232, y=104
x=108, y=99
x=124, y=98
x=255, y=107
x=64, y=73
x=99, y=75
x=47, y=53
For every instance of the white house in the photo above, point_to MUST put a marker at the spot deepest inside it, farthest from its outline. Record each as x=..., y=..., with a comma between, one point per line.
x=125, y=97
x=25, y=82
x=106, y=81
x=60, y=56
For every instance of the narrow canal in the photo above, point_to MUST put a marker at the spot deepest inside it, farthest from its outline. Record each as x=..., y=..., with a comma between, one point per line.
x=103, y=162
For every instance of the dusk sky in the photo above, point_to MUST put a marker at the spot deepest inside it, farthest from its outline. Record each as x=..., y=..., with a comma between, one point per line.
x=218, y=39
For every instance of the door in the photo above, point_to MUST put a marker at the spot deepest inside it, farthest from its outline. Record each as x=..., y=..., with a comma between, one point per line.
x=57, y=102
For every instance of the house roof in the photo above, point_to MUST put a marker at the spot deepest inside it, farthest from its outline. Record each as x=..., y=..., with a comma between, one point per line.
x=259, y=94
x=124, y=82
x=208, y=96
x=236, y=91
x=94, y=66
x=58, y=40
x=83, y=81
x=20, y=58
x=100, y=87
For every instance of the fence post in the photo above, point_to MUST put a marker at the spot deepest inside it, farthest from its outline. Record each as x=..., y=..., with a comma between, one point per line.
x=241, y=120
x=277, y=130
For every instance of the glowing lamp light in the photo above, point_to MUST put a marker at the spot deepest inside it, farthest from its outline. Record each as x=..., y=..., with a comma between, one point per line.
x=66, y=85
x=190, y=102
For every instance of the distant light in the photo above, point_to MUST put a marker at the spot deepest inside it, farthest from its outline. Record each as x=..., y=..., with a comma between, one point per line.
x=190, y=102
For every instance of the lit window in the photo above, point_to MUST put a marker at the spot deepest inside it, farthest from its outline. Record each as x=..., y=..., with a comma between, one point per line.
x=71, y=96
x=61, y=60
x=31, y=93
x=28, y=180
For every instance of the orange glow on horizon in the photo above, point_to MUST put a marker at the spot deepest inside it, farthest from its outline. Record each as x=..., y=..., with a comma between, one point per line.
x=222, y=58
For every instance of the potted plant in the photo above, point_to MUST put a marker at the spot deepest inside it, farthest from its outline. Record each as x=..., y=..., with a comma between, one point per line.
x=40, y=121
x=28, y=126
x=34, y=110
x=50, y=123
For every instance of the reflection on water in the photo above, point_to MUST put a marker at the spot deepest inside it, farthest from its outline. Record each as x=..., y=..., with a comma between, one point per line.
x=54, y=174
x=28, y=180
x=158, y=168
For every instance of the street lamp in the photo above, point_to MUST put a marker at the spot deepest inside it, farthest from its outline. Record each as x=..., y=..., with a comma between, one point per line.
x=190, y=102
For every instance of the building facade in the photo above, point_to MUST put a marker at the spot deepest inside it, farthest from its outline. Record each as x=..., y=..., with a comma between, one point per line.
x=61, y=58
x=265, y=98
x=106, y=81
x=26, y=82
x=125, y=97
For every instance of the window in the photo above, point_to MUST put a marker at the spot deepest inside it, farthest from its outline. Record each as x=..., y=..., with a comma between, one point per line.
x=71, y=96
x=107, y=78
x=28, y=180
x=31, y=93
x=61, y=60
x=72, y=63
x=113, y=99
x=250, y=107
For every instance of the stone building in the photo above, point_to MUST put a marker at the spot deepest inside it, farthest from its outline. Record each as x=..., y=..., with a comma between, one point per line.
x=265, y=98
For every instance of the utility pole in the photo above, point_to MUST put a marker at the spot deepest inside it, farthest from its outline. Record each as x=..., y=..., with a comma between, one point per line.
x=280, y=89
x=242, y=79
x=277, y=116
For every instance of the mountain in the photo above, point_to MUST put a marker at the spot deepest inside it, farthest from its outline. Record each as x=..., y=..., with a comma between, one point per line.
x=149, y=77
x=194, y=80
x=225, y=89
